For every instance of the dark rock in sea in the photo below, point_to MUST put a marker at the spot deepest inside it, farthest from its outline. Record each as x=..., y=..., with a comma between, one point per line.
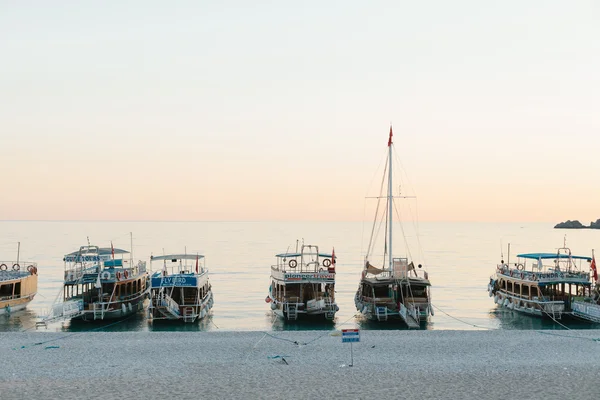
x=570, y=225
x=595, y=225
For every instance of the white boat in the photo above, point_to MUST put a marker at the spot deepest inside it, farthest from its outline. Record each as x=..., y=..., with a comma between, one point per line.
x=18, y=284
x=180, y=290
x=550, y=285
x=303, y=285
x=100, y=283
x=395, y=289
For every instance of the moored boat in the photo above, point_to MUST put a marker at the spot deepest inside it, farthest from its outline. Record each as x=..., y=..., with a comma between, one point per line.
x=18, y=284
x=395, y=289
x=542, y=284
x=180, y=290
x=303, y=285
x=100, y=283
x=588, y=307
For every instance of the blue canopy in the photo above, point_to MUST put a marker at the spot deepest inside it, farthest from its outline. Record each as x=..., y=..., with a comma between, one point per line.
x=286, y=255
x=547, y=256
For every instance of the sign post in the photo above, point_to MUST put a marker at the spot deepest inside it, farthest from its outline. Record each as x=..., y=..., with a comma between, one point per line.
x=350, y=336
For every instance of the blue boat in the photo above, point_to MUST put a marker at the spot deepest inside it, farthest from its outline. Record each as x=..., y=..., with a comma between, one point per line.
x=549, y=285
x=180, y=291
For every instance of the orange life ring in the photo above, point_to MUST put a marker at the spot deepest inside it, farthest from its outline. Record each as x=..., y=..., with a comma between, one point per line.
x=267, y=299
x=126, y=274
x=118, y=275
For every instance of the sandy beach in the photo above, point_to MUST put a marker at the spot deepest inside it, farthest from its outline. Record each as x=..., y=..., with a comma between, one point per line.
x=400, y=364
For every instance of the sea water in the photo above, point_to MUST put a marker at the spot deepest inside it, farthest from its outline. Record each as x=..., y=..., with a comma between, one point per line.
x=460, y=257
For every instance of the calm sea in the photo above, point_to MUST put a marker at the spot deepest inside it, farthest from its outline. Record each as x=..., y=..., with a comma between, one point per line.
x=460, y=257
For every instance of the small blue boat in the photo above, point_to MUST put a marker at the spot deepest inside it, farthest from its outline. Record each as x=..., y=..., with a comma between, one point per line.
x=180, y=291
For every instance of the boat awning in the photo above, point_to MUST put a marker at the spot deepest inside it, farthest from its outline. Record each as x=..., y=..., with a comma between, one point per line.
x=289, y=255
x=177, y=257
x=547, y=256
x=102, y=251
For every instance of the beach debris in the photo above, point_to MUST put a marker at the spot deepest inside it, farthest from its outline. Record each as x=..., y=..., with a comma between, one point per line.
x=335, y=333
x=52, y=347
x=280, y=357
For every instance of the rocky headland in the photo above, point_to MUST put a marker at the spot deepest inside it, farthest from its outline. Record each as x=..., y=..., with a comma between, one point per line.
x=577, y=225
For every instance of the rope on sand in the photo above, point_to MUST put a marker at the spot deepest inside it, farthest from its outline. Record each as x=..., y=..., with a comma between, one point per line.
x=73, y=334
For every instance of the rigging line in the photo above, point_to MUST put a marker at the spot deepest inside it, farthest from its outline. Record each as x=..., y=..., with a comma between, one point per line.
x=569, y=336
x=462, y=321
x=369, y=249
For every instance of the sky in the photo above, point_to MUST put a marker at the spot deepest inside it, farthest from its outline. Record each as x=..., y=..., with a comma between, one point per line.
x=280, y=110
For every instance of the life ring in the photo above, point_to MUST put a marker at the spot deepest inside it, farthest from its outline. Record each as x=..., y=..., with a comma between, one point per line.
x=30, y=269
x=126, y=274
x=118, y=275
x=520, y=267
x=267, y=299
x=16, y=267
x=3, y=267
x=293, y=263
x=326, y=262
x=105, y=275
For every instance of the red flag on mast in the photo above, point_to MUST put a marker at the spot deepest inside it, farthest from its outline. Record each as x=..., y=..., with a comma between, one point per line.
x=390, y=139
x=593, y=267
x=333, y=256
x=196, y=263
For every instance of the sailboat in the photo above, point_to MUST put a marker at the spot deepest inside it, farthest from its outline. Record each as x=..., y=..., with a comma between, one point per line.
x=394, y=289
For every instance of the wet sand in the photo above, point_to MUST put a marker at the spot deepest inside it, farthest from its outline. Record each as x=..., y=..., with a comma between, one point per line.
x=498, y=364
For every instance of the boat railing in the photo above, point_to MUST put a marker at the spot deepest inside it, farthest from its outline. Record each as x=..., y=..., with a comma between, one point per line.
x=7, y=267
x=547, y=274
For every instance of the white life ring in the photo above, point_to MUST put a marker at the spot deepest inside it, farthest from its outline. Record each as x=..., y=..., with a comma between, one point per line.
x=105, y=275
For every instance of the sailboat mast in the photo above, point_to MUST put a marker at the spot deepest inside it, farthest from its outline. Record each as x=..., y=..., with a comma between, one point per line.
x=390, y=199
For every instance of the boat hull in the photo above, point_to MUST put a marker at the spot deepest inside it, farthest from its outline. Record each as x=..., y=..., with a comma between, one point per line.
x=187, y=312
x=117, y=310
x=28, y=290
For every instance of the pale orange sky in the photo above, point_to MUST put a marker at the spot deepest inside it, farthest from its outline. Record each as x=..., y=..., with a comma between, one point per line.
x=281, y=111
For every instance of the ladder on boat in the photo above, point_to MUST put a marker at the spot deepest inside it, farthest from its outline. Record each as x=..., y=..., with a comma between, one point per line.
x=330, y=309
x=381, y=313
x=292, y=311
x=98, y=311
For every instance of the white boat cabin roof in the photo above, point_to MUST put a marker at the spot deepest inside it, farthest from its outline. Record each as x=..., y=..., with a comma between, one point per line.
x=176, y=257
x=102, y=251
x=306, y=253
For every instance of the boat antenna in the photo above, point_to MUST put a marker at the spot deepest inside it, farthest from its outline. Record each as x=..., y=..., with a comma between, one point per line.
x=18, y=251
x=501, y=252
x=131, y=252
x=88, y=240
x=296, y=245
x=390, y=199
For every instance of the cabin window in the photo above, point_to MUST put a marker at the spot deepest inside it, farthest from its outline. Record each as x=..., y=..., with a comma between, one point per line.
x=6, y=290
x=517, y=288
x=526, y=290
x=534, y=291
x=381, y=291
